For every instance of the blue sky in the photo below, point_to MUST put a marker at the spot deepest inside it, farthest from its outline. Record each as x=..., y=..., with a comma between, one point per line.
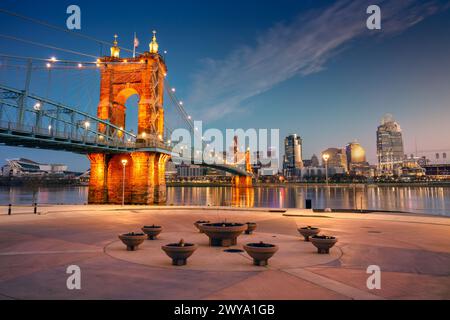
x=306, y=67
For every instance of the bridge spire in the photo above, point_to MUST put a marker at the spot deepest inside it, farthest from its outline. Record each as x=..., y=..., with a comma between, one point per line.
x=115, y=50
x=153, y=45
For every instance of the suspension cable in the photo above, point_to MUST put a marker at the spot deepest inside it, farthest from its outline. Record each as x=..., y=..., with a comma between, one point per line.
x=46, y=46
x=182, y=111
x=51, y=26
x=180, y=108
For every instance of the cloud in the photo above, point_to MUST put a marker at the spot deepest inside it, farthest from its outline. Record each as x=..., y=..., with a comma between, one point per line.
x=301, y=47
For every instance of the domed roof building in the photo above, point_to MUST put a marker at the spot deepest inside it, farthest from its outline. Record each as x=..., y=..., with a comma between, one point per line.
x=355, y=153
x=336, y=158
x=356, y=160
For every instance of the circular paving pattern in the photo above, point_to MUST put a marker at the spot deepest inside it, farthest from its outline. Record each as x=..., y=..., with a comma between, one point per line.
x=293, y=253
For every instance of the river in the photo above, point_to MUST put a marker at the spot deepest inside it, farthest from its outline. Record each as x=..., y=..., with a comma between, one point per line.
x=426, y=200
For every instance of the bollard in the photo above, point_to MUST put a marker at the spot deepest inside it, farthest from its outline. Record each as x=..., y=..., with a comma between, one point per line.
x=308, y=204
x=9, y=209
x=35, y=208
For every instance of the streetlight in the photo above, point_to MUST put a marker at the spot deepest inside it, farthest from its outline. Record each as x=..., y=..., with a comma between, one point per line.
x=325, y=158
x=124, y=164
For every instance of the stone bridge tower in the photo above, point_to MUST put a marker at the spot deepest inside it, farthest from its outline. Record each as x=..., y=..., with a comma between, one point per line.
x=143, y=169
x=244, y=181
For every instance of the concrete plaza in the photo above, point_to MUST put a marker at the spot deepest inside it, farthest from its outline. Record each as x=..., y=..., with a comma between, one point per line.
x=412, y=251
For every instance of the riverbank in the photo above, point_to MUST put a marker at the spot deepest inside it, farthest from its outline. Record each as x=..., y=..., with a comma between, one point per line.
x=41, y=181
x=54, y=182
x=421, y=200
x=411, y=251
x=314, y=184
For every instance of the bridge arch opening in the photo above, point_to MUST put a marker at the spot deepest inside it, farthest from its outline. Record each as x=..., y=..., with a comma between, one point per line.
x=128, y=99
x=132, y=118
x=124, y=94
x=126, y=105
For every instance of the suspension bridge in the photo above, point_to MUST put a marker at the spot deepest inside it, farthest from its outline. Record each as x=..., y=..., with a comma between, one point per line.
x=119, y=157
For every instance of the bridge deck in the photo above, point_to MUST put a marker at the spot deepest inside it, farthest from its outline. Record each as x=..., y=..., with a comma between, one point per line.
x=13, y=135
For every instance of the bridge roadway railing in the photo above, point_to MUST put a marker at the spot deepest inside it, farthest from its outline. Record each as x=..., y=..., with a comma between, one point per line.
x=13, y=133
x=233, y=168
x=152, y=142
x=42, y=123
x=35, y=115
x=54, y=133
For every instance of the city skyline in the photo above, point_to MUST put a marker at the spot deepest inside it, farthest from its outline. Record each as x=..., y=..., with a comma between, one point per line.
x=225, y=156
x=329, y=102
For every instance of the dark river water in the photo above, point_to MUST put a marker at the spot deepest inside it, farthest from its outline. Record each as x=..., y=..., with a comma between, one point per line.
x=427, y=200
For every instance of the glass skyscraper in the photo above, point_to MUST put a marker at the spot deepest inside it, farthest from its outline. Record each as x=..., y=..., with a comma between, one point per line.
x=293, y=162
x=390, y=151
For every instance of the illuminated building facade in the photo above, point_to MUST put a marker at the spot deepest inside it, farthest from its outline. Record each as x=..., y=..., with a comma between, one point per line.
x=356, y=160
x=337, y=158
x=411, y=168
x=389, y=146
x=437, y=171
x=141, y=172
x=26, y=167
x=355, y=154
x=293, y=162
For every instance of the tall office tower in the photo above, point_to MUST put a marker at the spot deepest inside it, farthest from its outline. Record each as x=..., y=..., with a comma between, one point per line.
x=293, y=162
x=389, y=146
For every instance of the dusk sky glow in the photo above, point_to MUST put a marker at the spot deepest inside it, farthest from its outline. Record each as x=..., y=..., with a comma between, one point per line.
x=305, y=67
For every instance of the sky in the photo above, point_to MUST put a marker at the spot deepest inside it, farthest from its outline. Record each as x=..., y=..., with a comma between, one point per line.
x=305, y=67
